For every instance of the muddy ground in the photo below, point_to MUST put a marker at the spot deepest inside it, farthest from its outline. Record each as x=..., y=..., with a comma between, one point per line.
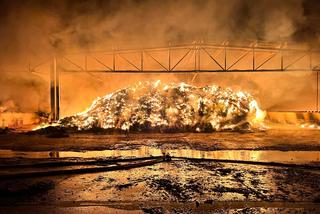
x=170, y=186
x=175, y=186
x=271, y=139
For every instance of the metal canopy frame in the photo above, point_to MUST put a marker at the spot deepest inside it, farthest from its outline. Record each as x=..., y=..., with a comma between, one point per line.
x=201, y=58
x=310, y=59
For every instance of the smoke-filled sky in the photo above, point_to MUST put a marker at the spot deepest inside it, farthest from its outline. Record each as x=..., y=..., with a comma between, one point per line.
x=33, y=30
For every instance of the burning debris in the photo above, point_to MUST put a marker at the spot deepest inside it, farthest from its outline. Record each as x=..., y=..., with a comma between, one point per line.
x=173, y=107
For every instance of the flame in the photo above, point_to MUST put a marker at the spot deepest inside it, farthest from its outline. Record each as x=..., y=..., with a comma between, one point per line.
x=257, y=114
x=46, y=125
x=181, y=107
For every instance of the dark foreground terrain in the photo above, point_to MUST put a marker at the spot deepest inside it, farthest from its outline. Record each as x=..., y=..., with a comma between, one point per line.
x=276, y=171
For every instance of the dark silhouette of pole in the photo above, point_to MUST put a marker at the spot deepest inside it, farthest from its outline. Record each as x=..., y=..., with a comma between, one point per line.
x=317, y=90
x=57, y=76
x=54, y=91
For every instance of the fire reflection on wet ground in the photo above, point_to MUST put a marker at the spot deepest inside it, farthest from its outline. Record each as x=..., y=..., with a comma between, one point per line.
x=296, y=157
x=180, y=185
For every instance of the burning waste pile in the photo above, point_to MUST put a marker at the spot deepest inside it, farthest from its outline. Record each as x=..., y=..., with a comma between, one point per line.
x=174, y=107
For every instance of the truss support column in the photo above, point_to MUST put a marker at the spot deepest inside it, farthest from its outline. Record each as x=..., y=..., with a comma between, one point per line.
x=54, y=91
x=317, y=91
x=281, y=52
x=195, y=57
x=57, y=89
x=86, y=63
x=199, y=57
x=310, y=60
x=114, y=60
x=253, y=59
x=225, y=56
x=141, y=62
x=169, y=56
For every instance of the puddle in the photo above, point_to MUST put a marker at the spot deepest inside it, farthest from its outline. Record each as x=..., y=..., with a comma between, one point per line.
x=144, y=151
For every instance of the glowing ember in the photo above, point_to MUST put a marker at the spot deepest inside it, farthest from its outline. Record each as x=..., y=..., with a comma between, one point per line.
x=174, y=107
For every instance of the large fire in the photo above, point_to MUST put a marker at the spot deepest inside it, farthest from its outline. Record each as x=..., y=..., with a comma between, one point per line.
x=174, y=107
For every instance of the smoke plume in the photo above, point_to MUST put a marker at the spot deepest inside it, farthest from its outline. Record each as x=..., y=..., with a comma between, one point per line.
x=33, y=30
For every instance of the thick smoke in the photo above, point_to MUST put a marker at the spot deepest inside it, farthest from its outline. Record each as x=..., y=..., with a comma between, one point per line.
x=22, y=93
x=33, y=30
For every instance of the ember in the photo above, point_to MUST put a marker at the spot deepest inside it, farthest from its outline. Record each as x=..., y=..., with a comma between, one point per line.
x=174, y=107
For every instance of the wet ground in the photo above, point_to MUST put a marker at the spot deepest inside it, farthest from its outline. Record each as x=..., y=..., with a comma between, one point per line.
x=283, y=139
x=293, y=157
x=169, y=186
x=275, y=171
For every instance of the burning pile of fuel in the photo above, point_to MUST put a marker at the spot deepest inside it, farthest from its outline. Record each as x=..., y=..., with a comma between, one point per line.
x=169, y=107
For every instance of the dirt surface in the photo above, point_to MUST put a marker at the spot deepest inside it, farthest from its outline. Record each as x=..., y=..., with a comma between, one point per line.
x=272, y=139
x=176, y=186
x=200, y=185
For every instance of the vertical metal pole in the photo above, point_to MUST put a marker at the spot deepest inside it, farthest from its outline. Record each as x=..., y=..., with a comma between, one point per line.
x=86, y=63
x=195, y=57
x=52, y=91
x=169, y=56
x=225, y=56
x=253, y=59
x=317, y=101
x=317, y=91
x=199, y=65
x=310, y=60
x=114, y=60
x=281, y=59
x=57, y=89
x=141, y=62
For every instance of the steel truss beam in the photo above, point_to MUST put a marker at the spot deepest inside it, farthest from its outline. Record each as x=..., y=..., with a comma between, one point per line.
x=174, y=60
x=148, y=62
